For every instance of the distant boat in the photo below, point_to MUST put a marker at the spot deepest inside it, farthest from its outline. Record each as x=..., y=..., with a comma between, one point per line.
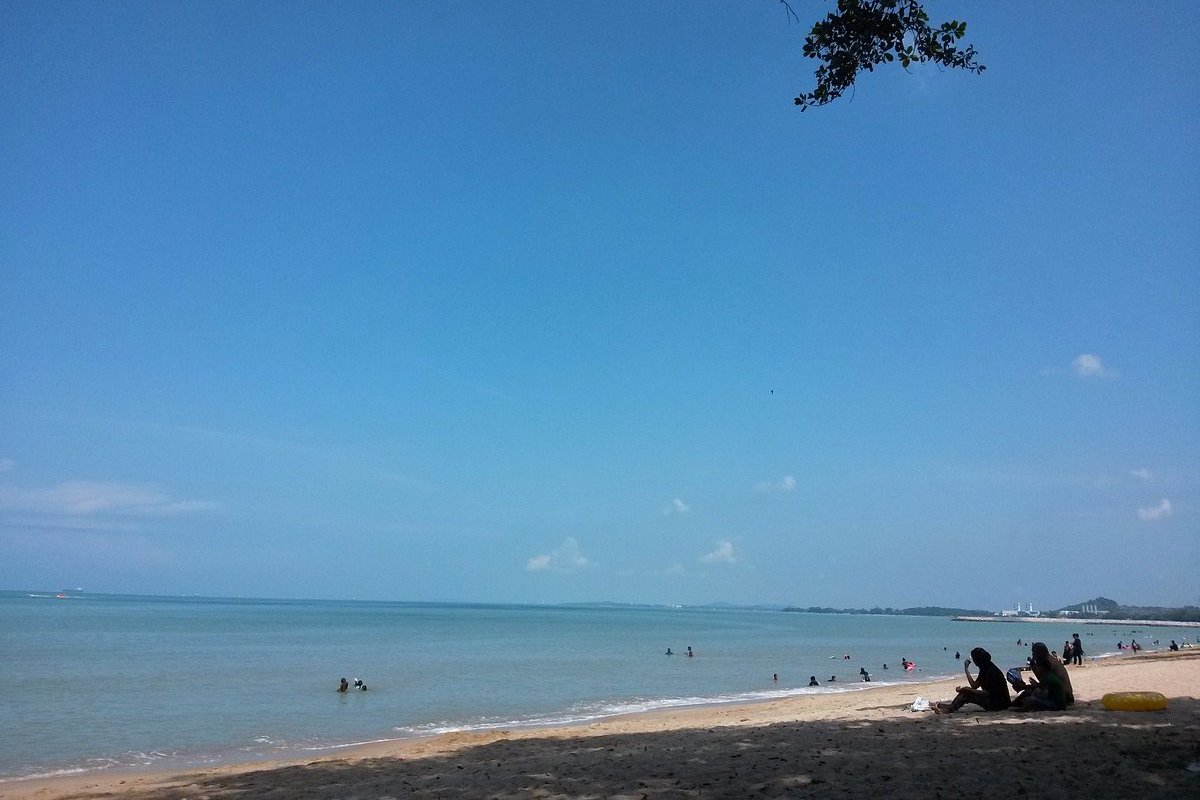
x=62, y=595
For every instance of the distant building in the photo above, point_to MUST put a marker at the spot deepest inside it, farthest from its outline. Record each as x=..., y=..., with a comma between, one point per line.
x=1020, y=611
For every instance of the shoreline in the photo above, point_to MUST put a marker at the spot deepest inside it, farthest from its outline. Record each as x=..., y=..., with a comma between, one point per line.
x=856, y=715
x=1145, y=623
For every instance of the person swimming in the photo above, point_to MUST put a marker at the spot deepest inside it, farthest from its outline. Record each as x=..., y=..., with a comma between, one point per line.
x=358, y=684
x=669, y=652
x=812, y=680
x=344, y=685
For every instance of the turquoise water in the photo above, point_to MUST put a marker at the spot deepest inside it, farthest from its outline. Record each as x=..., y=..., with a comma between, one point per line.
x=100, y=682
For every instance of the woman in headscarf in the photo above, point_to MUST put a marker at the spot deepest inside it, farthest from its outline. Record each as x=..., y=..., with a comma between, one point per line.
x=988, y=689
x=1050, y=689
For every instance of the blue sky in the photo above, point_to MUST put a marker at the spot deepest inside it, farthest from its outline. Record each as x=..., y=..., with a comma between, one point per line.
x=542, y=302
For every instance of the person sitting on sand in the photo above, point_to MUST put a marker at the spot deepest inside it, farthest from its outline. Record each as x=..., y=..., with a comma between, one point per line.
x=344, y=685
x=989, y=690
x=812, y=680
x=1041, y=663
x=1050, y=692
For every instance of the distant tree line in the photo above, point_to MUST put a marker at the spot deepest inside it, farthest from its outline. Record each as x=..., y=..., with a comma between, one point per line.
x=1111, y=609
x=918, y=611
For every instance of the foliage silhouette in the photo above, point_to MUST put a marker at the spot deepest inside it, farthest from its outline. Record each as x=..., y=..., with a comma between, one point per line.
x=862, y=34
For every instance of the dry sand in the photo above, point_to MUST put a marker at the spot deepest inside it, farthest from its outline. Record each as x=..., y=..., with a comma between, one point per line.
x=856, y=744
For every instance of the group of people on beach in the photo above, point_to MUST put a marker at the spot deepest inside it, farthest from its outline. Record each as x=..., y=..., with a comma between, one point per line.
x=1073, y=651
x=1048, y=689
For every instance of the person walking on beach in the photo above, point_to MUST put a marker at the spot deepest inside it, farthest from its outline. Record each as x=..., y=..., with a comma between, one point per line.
x=989, y=690
x=1076, y=650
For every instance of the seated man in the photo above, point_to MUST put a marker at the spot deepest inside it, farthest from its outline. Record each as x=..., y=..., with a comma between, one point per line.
x=989, y=690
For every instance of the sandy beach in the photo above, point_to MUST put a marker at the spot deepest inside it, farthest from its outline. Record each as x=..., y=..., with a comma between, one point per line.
x=852, y=744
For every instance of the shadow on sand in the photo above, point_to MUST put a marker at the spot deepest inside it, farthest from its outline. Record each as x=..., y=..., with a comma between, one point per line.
x=1085, y=752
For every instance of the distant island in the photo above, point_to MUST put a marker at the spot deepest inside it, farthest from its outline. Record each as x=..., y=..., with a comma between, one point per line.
x=1099, y=609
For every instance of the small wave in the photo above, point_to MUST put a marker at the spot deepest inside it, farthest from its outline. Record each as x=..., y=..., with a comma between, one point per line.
x=584, y=713
x=57, y=773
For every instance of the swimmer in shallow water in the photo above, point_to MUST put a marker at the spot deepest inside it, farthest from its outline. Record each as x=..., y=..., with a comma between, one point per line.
x=812, y=680
x=344, y=685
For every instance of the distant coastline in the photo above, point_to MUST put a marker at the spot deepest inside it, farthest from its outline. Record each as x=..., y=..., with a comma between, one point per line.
x=1148, y=623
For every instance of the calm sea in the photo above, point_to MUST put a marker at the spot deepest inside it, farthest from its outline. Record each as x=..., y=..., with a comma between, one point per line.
x=99, y=681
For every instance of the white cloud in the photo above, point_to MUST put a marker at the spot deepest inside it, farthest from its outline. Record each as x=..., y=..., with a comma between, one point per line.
x=1143, y=474
x=1087, y=365
x=7, y=465
x=676, y=506
x=89, y=498
x=1155, y=513
x=538, y=563
x=785, y=484
x=723, y=554
x=567, y=557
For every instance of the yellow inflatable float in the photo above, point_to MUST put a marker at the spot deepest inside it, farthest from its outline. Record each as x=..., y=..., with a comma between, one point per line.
x=1134, y=701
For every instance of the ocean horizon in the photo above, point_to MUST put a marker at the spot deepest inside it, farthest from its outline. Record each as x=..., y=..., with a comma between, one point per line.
x=100, y=682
